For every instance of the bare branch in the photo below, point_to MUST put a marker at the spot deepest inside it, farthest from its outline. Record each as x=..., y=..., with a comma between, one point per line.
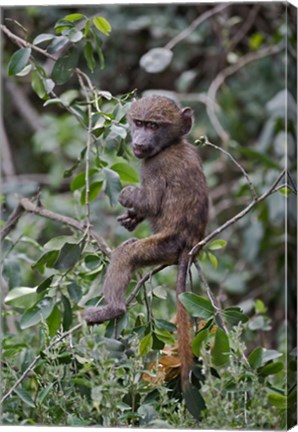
x=27, y=205
x=23, y=43
x=251, y=186
x=224, y=74
x=238, y=216
x=12, y=221
x=185, y=33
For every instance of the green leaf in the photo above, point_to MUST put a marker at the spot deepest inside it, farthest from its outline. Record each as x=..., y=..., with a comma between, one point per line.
x=271, y=369
x=80, y=180
x=160, y=292
x=255, y=359
x=57, y=44
x=27, y=69
x=234, y=315
x=270, y=354
x=87, y=27
x=198, y=341
x=44, y=393
x=43, y=37
x=75, y=291
x=255, y=41
x=94, y=191
x=165, y=325
x=45, y=284
x=18, y=61
x=260, y=307
x=67, y=314
x=217, y=244
x=38, y=85
x=57, y=242
x=146, y=344
x=54, y=321
x=48, y=259
x=164, y=336
x=64, y=67
x=126, y=172
x=196, y=305
x=279, y=401
x=68, y=257
x=74, y=35
x=74, y=17
x=25, y=397
x=221, y=349
x=285, y=191
x=112, y=185
x=40, y=311
x=89, y=56
x=212, y=258
x=21, y=297
x=156, y=60
x=194, y=401
x=92, y=261
x=102, y=25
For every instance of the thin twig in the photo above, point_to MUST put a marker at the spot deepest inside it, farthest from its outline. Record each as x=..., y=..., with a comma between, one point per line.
x=238, y=216
x=224, y=74
x=88, y=149
x=251, y=186
x=142, y=281
x=12, y=221
x=22, y=42
x=37, y=358
x=185, y=33
x=245, y=27
x=211, y=296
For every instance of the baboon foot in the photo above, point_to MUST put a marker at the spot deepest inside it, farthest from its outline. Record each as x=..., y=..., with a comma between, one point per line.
x=97, y=314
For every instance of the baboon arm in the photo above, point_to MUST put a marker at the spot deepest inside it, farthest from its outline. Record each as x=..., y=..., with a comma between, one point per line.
x=145, y=201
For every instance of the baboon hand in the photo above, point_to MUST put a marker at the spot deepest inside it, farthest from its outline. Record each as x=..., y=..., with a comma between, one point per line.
x=127, y=196
x=128, y=220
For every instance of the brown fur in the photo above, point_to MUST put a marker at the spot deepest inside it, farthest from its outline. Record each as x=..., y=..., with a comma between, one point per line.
x=173, y=197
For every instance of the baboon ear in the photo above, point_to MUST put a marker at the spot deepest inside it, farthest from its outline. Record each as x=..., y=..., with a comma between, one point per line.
x=186, y=115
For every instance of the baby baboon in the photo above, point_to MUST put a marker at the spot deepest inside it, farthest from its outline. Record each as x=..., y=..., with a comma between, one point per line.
x=173, y=197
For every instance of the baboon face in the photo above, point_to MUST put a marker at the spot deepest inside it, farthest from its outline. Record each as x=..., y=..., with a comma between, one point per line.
x=157, y=122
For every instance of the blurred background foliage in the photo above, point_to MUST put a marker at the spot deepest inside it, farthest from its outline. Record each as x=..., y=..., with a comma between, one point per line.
x=41, y=140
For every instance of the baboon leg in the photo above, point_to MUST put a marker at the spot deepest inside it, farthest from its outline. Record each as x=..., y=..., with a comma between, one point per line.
x=127, y=258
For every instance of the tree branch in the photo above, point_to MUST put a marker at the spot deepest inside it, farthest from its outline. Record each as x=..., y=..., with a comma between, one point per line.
x=27, y=205
x=238, y=216
x=223, y=75
x=185, y=33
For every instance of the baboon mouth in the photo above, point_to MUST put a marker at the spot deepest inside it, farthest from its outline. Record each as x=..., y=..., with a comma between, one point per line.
x=139, y=151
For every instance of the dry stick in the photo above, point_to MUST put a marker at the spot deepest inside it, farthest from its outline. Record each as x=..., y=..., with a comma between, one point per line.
x=37, y=358
x=238, y=216
x=26, y=205
x=224, y=74
x=170, y=45
x=251, y=186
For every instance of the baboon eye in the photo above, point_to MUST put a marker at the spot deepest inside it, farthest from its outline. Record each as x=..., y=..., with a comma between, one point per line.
x=153, y=125
x=138, y=123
